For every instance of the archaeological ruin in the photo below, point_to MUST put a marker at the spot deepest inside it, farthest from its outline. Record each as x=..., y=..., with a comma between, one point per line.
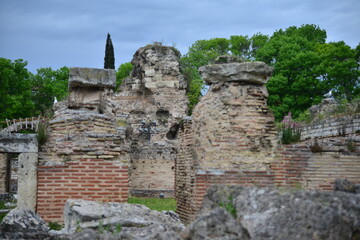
x=105, y=146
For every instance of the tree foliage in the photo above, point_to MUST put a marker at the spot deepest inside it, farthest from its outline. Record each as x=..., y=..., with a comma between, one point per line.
x=123, y=72
x=203, y=52
x=305, y=66
x=48, y=84
x=15, y=90
x=23, y=94
x=109, y=60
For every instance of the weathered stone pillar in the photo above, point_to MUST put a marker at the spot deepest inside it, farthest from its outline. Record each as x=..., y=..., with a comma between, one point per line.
x=27, y=181
x=231, y=138
x=3, y=172
x=232, y=124
x=152, y=102
x=88, y=87
x=27, y=146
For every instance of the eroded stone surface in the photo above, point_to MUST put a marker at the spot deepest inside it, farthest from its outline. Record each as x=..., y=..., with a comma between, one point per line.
x=92, y=77
x=23, y=224
x=234, y=128
x=17, y=142
x=247, y=72
x=152, y=103
x=27, y=181
x=217, y=224
x=137, y=220
x=270, y=213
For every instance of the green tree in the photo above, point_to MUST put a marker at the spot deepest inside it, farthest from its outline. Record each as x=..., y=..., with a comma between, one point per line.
x=201, y=53
x=240, y=46
x=204, y=52
x=339, y=69
x=48, y=84
x=109, y=60
x=15, y=90
x=305, y=67
x=295, y=84
x=258, y=40
x=123, y=72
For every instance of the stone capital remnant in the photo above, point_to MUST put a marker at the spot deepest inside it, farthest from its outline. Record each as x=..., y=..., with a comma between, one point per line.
x=92, y=77
x=233, y=126
x=248, y=72
x=88, y=87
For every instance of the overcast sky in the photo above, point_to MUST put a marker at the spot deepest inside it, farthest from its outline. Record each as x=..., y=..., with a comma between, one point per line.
x=57, y=33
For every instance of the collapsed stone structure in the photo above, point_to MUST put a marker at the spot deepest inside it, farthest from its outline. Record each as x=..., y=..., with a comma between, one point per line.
x=105, y=146
x=231, y=136
x=27, y=148
x=231, y=139
x=152, y=102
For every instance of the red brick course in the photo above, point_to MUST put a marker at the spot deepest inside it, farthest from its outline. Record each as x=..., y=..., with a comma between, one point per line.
x=79, y=180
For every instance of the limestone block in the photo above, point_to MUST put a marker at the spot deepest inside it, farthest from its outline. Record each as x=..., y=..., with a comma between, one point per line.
x=18, y=143
x=148, y=79
x=249, y=72
x=158, y=78
x=150, y=85
x=165, y=84
x=3, y=172
x=92, y=77
x=149, y=72
x=27, y=181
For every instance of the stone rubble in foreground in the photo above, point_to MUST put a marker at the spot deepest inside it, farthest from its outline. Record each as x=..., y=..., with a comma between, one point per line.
x=228, y=212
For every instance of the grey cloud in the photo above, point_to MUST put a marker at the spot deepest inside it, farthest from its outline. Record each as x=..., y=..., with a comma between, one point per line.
x=63, y=32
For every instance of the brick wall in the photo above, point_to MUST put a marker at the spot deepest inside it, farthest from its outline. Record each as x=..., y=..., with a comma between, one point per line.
x=86, y=157
x=89, y=179
x=185, y=173
x=289, y=165
x=3, y=172
x=332, y=127
x=152, y=170
x=292, y=166
x=75, y=135
x=153, y=153
x=324, y=168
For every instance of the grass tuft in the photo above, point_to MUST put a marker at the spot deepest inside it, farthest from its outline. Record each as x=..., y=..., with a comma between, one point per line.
x=159, y=204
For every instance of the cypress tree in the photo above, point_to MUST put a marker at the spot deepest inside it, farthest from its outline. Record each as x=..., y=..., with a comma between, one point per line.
x=109, y=60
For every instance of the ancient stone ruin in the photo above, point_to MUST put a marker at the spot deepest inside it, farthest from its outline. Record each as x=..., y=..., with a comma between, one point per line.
x=231, y=139
x=151, y=104
x=106, y=146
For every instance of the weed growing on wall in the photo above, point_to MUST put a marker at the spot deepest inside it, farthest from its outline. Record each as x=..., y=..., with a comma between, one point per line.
x=290, y=130
x=351, y=145
x=55, y=226
x=315, y=147
x=229, y=207
x=42, y=136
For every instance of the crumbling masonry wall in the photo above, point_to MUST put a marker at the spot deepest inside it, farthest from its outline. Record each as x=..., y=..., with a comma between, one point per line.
x=231, y=138
x=27, y=147
x=86, y=154
x=3, y=172
x=233, y=141
x=151, y=103
x=104, y=146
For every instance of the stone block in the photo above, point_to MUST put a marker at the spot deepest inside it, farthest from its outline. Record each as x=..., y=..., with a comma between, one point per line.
x=92, y=77
x=27, y=181
x=167, y=84
x=18, y=143
x=3, y=172
x=149, y=72
x=249, y=72
x=150, y=85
